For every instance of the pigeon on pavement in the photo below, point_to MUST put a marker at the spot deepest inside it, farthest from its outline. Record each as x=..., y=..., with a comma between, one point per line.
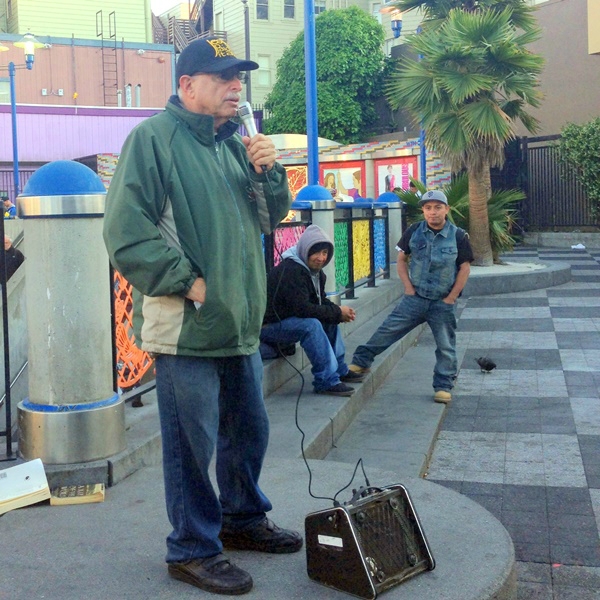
x=486, y=364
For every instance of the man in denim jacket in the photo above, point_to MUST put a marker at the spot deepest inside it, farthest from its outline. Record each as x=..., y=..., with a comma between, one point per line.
x=433, y=280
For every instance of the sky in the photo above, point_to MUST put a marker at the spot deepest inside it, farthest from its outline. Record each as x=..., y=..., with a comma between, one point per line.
x=160, y=6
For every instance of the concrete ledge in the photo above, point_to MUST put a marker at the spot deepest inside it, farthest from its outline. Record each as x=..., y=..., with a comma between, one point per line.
x=495, y=281
x=368, y=304
x=333, y=423
x=561, y=239
x=77, y=473
x=144, y=448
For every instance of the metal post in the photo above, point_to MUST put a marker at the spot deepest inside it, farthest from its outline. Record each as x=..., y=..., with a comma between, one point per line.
x=247, y=45
x=422, y=148
x=7, y=397
x=13, y=111
x=73, y=414
x=310, y=62
x=423, y=157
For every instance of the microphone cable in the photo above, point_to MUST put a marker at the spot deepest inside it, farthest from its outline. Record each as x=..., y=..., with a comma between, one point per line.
x=297, y=406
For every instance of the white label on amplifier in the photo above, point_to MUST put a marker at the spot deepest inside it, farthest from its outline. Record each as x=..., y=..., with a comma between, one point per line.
x=327, y=540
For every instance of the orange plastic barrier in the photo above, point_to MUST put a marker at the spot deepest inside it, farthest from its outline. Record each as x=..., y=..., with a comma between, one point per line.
x=132, y=363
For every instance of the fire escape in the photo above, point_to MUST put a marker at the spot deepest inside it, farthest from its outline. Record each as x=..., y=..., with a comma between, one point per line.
x=109, y=57
x=180, y=32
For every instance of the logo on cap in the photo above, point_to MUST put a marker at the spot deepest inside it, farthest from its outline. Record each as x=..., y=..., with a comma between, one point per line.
x=221, y=48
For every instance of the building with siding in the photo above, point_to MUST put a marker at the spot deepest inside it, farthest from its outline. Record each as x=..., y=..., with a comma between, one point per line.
x=85, y=19
x=77, y=72
x=570, y=43
x=48, y=133
x=274, y=25
x=97, y=53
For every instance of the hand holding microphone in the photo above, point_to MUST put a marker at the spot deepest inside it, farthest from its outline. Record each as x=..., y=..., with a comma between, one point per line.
x=246, y=116
x=261, y=150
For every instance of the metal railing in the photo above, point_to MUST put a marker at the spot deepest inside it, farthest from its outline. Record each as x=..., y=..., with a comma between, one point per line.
x=361, y=233
x=160, y=35
x=5, y=401
x=181, y=32
x=361, y=256
x=554, y=197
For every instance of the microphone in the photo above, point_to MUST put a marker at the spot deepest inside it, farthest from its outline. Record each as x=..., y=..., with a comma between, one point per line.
x=246, y=116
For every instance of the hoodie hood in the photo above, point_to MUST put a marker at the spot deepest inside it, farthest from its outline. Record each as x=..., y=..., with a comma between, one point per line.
x=312, y=235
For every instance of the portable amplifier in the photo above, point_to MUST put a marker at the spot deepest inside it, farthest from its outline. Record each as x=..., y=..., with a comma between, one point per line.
x=368, y=545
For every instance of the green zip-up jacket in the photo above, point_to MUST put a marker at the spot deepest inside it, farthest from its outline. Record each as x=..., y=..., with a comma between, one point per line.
x=186, y=203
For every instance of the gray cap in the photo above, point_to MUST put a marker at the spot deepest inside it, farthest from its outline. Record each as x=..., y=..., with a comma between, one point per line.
x=433, y=196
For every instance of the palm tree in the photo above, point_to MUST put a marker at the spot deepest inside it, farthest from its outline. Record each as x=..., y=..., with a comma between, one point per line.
x=434, y=11
x=473, y=81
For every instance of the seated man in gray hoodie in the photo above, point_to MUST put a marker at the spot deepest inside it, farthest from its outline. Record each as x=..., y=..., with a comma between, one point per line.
x=299, y=311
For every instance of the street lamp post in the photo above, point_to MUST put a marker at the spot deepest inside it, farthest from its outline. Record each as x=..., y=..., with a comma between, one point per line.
x=29, y=44
x=312, y=121
x=396, y=24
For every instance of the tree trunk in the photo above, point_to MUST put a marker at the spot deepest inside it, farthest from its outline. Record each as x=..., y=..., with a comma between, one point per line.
x=480, y=191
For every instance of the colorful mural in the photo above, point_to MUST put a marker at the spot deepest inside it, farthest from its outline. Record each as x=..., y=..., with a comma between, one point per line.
x=344, y=180
x=395, y=172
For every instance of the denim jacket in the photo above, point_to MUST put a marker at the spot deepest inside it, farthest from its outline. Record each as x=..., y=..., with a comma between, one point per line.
x=433, y=268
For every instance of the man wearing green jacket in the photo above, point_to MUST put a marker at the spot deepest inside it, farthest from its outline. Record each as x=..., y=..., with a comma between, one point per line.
x=183, y=223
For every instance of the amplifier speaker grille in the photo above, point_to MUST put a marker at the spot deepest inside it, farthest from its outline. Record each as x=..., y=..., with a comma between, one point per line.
x=367, y=545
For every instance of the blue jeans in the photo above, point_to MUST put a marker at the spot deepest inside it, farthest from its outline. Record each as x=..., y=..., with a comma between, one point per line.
x=410, y=312
x=322, y=343
x=203, y=403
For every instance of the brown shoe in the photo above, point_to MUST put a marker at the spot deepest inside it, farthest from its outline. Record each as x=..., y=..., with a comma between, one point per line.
x=357, y=369
x=214, y=574
x=442, y=396
x=264, y=537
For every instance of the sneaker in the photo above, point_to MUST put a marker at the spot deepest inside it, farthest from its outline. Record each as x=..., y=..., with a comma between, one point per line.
x=353, y=377
x=357, y=369
x=214, y=574
x=339, y=389
x=264, y=537
x=442, y=396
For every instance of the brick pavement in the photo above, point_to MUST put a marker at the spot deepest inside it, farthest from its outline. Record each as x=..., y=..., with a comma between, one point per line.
x=524, y=439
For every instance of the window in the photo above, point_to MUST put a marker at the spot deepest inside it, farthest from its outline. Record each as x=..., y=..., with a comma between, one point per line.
x=4, y=91
x=262, y=9
x=219, y=21
x=376, y=11
x=319, y=6
x=288, y=9
x=264, y=70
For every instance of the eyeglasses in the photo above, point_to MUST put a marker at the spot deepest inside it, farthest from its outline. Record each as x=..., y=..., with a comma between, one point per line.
x=230, y=75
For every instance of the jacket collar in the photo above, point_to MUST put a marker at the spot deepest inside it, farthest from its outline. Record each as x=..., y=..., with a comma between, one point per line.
x=201, y=126
x=444, y=231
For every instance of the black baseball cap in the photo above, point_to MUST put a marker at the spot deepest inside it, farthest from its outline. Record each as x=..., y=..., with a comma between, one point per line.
x=209, y=55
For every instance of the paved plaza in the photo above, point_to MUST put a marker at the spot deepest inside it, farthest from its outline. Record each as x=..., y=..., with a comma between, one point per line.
x=524, y=439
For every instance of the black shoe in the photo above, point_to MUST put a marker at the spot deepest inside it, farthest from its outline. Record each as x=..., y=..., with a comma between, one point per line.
x=264, y=537
x=214, y=574
x=340, y=389
x=352, y=377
